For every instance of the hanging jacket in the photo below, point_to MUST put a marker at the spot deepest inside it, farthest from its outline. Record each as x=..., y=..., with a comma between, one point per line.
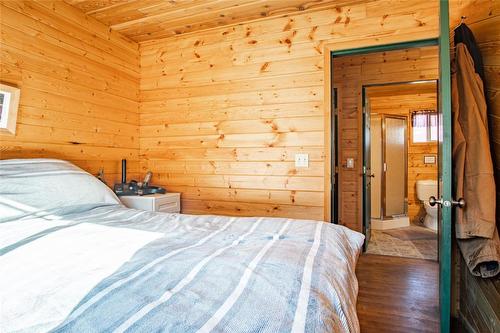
x=473, y=166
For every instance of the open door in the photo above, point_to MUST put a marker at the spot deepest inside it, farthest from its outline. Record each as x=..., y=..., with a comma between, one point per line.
x=367, y=171
x=445, y=200
x=334, y=159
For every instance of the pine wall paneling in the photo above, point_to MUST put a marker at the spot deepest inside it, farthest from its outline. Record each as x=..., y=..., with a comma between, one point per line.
x=79, y=87
x=223, y=111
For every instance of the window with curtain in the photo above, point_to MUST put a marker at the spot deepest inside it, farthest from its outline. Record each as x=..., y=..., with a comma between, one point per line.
x=424, y=126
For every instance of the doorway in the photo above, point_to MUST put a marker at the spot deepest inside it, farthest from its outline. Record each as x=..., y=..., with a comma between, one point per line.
x=401, y=156
x=348, y=147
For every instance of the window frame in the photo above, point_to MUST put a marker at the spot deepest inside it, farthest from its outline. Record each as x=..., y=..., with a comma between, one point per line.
x=428, y=127
x=10, y=106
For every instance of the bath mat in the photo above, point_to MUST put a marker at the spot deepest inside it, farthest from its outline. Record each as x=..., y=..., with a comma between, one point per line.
x=384, y=244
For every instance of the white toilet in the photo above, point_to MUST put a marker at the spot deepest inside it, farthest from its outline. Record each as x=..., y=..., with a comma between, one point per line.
x=426, y=189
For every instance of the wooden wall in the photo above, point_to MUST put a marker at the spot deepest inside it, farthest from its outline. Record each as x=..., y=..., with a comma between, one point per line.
x=79, y=87
x=403, y=105
x=223, y=112
x=350, y=73
x=479, y=298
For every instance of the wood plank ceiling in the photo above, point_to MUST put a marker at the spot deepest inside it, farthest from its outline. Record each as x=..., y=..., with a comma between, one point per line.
x=143, y=20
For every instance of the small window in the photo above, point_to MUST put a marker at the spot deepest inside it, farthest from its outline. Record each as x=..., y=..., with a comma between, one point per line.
x=9, y=102
x=424, y=126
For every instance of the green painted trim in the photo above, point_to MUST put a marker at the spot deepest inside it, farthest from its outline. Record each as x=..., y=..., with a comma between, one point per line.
x=387, y=47
x=445, y=168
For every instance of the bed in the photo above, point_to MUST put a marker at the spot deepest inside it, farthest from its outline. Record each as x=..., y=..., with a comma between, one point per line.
x=73, y=259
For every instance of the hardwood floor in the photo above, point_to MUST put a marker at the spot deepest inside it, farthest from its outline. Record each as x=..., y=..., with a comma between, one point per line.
x=397, y=294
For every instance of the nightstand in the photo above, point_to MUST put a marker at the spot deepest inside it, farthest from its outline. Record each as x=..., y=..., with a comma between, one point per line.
x=165, y=203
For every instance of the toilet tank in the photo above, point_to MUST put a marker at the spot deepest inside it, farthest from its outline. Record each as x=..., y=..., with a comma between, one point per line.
x=427, y=188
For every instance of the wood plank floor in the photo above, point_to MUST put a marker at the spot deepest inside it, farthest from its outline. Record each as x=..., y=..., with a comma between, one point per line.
x=397, y=294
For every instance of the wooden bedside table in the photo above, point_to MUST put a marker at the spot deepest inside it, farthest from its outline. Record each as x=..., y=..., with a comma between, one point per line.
x=165, y=203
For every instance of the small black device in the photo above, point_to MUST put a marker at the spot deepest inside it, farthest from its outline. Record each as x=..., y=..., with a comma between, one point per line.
x=134, y=187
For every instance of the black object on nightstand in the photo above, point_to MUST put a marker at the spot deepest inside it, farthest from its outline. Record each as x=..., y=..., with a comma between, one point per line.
x=134, y=187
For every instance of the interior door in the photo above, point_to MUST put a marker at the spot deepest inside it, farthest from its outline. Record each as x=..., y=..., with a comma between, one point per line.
x=334, y=159
x=445, y=168
x=367, y=175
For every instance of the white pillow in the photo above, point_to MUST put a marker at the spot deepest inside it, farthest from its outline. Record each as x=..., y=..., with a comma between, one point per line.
x=46, y=184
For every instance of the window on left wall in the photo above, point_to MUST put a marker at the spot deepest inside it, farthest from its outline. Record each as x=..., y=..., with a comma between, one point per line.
x=9, y=103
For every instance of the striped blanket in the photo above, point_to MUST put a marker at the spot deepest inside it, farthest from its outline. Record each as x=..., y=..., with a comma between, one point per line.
x=73, y=259
x=113, y=269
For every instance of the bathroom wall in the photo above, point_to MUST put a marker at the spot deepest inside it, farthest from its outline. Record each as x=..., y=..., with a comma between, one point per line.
x=417, y=169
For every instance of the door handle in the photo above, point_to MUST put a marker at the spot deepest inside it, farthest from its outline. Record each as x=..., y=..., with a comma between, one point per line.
x=460, y=202
x=433, y=201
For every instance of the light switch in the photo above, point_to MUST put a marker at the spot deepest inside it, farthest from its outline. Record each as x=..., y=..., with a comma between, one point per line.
x=430, y=159
x=350, y=163
x=302, y=160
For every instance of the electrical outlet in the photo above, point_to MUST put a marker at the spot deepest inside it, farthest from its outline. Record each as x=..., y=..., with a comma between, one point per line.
x=302, y=160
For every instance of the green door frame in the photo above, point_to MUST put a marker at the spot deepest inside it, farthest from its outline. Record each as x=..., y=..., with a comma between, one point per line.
x=445, y=165
x=445, y=149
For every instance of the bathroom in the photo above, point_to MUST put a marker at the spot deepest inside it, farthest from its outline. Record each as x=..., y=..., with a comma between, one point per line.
x=401, y=130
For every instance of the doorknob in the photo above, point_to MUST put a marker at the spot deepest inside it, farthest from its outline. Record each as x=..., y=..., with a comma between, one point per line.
x=433, y=201
x=460, y=202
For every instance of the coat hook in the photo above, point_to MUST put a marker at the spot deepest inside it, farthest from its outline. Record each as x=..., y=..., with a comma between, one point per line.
x=462, y=19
